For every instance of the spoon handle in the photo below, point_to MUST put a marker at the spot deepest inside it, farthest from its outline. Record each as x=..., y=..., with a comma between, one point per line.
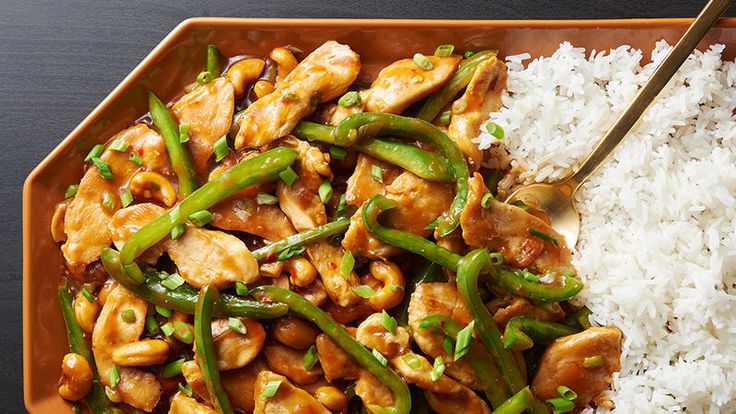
x=664, y=72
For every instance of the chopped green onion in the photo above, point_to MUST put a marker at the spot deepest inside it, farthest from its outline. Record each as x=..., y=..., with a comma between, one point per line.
x=592, y=362
x=412, y=360
x=201, y=217
x=271, y=388
x=445, y=118
x=341, y=204
x=448, y=346
x=266, y=199
x=241, y=289
x=183, y=332
x=462, y=342
x=135, y=158
x=95, y=152
x=173, y=369
x=396, y=288
x=128, y=316
x=364, y=291
x=377, y=173
x=237, y=325
x=380, y=358
x=119, y=145
x=495, y=130
x=103, y=168
x=310, y=358
x=151, y=325
x=71, y=191
x=521, y=205
x=468, y=53
x=497, y=258
x=88, y=295
x=485, y=202
x=186, y=390
x=177, y=231
x=204, y=77
x=113, y=375
x=288, y=176
x=126, y=197
x=346, y=264
x=388, y=322
x=325, y=192
x=541, y=235
x=290, y=97
x=220, y=148
x=351, y=98
x=566, y=393
x=290, y=252
x=167, y=329
x=338, y=153
x=433, y=224
x=165, y=312
x=568, y=274
x=444, y=50
x=530, y=277
x=183, y=132
x=213, y=64
x=108, y=201
x=173, y=281
x=423, y=62
x=437, y=369
x=561, y=405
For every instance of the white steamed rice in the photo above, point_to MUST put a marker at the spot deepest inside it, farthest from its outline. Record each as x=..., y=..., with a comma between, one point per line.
x=658, y=244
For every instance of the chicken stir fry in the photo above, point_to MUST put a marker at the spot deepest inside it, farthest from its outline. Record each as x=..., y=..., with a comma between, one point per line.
x=281, y=240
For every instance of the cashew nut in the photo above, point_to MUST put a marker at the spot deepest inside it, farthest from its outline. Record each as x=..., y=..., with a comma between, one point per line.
x=86, y=312
x=285, y=61
x=149, y=185
x=113, y=395
x=272, y=270
x=243, y=72
x=76, y=377
x=294, y=332
x=57, y=222
x=141, y=353
x=331, y=397
x=392, y=292
x=105, y=292
x=263, y=88
x=300, y=270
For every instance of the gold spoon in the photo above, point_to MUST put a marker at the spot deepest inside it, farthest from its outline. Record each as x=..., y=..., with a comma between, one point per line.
x=556, y=200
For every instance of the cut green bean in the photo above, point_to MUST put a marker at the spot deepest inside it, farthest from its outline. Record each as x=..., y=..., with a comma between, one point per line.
x=270, y=252
x=523, y=332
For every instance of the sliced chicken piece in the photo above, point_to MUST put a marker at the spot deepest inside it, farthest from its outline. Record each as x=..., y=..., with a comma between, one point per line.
x=372, y=392
x=287, y=400
x=212, y=257
x=181, y=404
x=245, y=214
x=136, y=387
x=419, y=202
x=315, y=292
x=373, y=335
x=348, y=314
x=290, y=362
x=445, y=392
x=239, y=384
x=208, y=110
x=86, y=218
x=327, y=259
x=361, y=184
x=322, y=76
x=332, y=114
x=440, y=299
x=518, y=306
x=402, y=83
x=508, y=229
x=334, y=361
x=128, y=221
x=481, y=97
x=235, y=350
x=564, y=363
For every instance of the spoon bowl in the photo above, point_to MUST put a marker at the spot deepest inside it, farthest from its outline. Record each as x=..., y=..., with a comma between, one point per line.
x=556, y=200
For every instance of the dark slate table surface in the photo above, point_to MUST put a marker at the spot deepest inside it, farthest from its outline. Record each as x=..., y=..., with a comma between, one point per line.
x=58, y=59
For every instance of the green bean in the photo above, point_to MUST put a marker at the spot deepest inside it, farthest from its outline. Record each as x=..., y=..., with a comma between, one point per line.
x=522, y=332
x=494, y=385
x=517, y=404
x=184, y=298
x=214, y=65
x=181, y=162
x=262, y=168
x=365, y=124
x=434, y=104
x=513, y=281
x=302, y=307
x=579, y=319
x=409, y=157
x=96, y=400
x=206, y=354
x=269, y=252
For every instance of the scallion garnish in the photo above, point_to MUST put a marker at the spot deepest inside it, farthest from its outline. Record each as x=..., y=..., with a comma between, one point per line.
x=186, y=390
x=103, y=168
x=346, y=264
x=593, y=361
x=183, y=332
x=173, y=369
x=119, y=145
x=377, y=173
x=521, y=205
x=165, y=312
x=423, y=62
x=108, y=201
x=266, y=199
x=437, y=369
x=351, y=98
x=566, y=393
x=561, y=405
x=95, y=152
x=290, y=252
x=237, y=326
x=288, y=176
x=241, y=289
x=220, y=148
x=396, y=288
x=497, y=258
x=290, y=97
x=445, y=118
x=173, y=281
x=341, y=205
x=135, y=158
x=310, y=358
x=380, y=357
x=183, y=132
x=325, y=192
x=113, y=375
x=201, y=218
x=128, y=316
x=88, y=295
x=495, y=130
x=167, y=329
x=177, y=231
x=462, y=342
x=338, y=153
x=151, y=325
x=433, y=224
x=448, y=346
x=126, y=197
x=204, y=77
x=388, y=322
x=271, y=388
x=444, y=50
x=412, y=360
x=468, y=53
x=71, y=190
x=364, y=291
x=541, y=235
x=486, y=201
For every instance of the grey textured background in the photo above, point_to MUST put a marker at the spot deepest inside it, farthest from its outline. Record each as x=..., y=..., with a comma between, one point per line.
x=59, y=58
